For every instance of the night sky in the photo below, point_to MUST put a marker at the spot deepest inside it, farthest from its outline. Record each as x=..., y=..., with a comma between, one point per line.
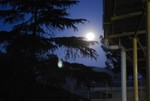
x=92, y=11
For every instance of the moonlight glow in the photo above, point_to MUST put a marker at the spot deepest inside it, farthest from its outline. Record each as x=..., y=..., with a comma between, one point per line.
x=90, y=36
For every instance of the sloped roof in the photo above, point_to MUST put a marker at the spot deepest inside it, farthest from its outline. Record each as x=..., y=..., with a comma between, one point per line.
x=103, y=70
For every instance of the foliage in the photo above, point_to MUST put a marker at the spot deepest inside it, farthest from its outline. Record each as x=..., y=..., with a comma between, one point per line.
x=34, y=22
x=25, y=57
x=82, y=74
x=113, y=59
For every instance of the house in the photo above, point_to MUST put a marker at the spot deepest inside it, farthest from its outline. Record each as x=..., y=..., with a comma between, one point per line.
x=112, y=92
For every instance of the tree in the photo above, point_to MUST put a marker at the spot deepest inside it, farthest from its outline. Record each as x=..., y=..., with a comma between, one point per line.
x=32, y=19
x=31, y=40
x=113, y=61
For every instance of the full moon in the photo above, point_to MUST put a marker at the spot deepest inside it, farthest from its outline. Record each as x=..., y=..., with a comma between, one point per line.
x=90, y=36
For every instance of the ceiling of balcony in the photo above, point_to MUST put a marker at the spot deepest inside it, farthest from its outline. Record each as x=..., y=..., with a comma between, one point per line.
x=123, y=20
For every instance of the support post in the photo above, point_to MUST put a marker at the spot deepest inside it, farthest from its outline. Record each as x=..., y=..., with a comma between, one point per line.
x=148, y=52
x=135, y=69
x=123, y=67
x=123, y=75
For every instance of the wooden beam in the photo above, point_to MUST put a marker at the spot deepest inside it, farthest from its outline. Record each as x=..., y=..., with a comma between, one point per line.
x=125, y=34
x=124, y=16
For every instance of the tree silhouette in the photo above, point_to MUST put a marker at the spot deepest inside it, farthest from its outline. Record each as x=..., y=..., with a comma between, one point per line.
x=113, y=61
x=34, y=22
x=27, y=47
x=31, y=20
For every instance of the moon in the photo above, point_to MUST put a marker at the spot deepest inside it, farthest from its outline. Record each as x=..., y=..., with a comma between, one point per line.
x=90, y=36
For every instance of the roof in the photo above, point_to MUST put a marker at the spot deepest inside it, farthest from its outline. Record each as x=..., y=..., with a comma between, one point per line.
x=103, y=70
x=122, y=20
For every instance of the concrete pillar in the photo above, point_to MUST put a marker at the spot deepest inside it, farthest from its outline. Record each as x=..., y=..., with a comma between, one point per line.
x=123, y=75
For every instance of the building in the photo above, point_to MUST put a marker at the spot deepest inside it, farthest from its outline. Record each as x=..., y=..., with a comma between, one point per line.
x=126, y=26
x=113, y=92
